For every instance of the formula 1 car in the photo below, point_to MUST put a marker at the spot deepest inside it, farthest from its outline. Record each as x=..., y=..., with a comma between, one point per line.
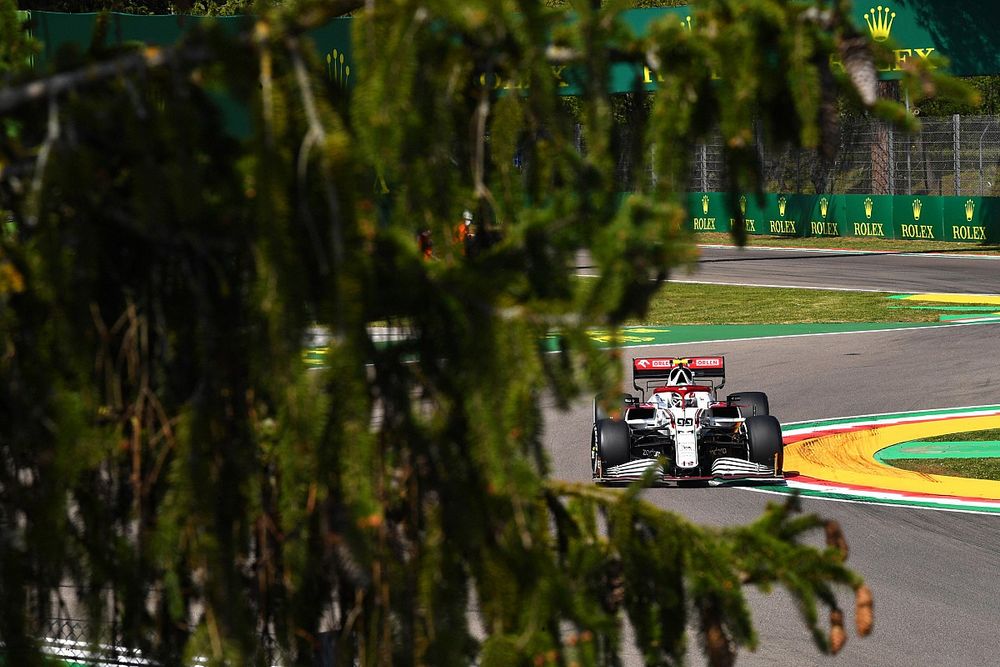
x=685, y=431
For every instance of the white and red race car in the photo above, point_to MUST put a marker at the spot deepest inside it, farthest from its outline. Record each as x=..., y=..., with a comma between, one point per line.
x=684, y=430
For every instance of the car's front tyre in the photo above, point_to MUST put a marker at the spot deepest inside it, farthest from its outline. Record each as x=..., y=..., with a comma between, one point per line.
x=609, y=445
x=764, y=441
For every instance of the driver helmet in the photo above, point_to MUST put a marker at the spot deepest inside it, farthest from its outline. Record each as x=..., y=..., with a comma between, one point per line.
x=680, y=376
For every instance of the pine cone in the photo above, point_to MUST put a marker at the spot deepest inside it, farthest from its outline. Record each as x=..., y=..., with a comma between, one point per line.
x=717, y=645
x=864, y=615
x=835, y=538
x=837, y=635
x=614, y=581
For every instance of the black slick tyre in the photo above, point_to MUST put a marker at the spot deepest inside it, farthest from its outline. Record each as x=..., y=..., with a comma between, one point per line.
x=610, y=444
x=764, y=440
x=751, y=403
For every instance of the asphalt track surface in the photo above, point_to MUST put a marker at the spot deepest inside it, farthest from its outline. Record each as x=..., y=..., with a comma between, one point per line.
x=891, y=272
x=935, y=575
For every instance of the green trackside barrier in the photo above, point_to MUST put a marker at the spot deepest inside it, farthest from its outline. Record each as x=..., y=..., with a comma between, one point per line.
x=899, y=217
x=918, y=218
x=962, y=39
x=58, y=31
x=709, y=212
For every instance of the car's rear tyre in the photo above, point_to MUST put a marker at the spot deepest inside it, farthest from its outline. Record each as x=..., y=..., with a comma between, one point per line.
x=764, y=440
x=752, y=403
x=610, y=446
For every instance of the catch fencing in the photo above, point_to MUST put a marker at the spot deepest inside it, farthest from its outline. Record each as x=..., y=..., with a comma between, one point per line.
x=951, y=156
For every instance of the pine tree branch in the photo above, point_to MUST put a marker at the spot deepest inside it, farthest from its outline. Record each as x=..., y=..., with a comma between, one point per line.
x=51, y=136
x=147, y=58
x=317, y=135
x=155, y=56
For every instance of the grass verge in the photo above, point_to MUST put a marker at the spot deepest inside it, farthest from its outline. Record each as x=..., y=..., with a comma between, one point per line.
x=972, y=468
x=851, y=243
x=980, y=468
x=691, y=303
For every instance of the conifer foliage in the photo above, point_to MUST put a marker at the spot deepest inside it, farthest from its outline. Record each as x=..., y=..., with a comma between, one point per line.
x=171, y=468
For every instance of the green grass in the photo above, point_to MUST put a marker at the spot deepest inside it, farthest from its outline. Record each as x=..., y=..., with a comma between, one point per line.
x=851, y=243
x=984, y=468
x=689, y=303
x=973, y=468
x=967, y=436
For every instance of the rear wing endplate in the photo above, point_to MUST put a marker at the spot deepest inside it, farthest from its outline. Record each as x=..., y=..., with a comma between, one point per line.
x=651, y=369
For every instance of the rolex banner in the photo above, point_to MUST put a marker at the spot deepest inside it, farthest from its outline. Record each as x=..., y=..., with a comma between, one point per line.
x=57, y=31
x=959, y=35
x=924, y=218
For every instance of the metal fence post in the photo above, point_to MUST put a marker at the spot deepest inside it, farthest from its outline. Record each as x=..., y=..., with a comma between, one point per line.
x=892, y=161
x=909, y=168
x=982, y=137
x=652, y=165
x=704, y=167
x=956, y=122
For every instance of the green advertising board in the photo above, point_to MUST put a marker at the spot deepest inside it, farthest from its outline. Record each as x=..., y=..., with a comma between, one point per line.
x=709, y=212
x=925, y=218
x=824, y=215
x=964, y=219
x=56, y=31
x=918, y=218
x=867, y=215
x=962, y=32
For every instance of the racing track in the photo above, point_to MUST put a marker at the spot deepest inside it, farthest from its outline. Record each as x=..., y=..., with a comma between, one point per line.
x=935, y=575
x=891, y=272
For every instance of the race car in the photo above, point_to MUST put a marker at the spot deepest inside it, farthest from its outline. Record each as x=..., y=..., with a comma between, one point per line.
x=678, y=425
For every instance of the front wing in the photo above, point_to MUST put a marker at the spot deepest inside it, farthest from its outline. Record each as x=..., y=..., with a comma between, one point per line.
x=726, y=471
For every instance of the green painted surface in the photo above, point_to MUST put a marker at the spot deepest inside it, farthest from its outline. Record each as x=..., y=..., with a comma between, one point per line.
x=949, y=318
x=940, y=450
x=946, y=307
x=950, y=313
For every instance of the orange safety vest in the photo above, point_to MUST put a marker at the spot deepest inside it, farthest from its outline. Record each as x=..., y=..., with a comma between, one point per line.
x=461, y=232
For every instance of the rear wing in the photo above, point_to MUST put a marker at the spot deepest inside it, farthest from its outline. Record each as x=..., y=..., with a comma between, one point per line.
x=653, y=369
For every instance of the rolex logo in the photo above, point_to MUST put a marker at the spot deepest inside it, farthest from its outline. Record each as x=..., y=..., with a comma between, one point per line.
x=869, y=205
x=743, y=204
x=704, y=204
x=686, y=23
x=336, y=69
x=782, y=202
x=970, y=210
x=824, y=206
x=917, y=205
x=879, y=22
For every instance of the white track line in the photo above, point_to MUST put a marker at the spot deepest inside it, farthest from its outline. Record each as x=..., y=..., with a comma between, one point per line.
x=864, y=501
x=847, y=251
x=909, y=414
